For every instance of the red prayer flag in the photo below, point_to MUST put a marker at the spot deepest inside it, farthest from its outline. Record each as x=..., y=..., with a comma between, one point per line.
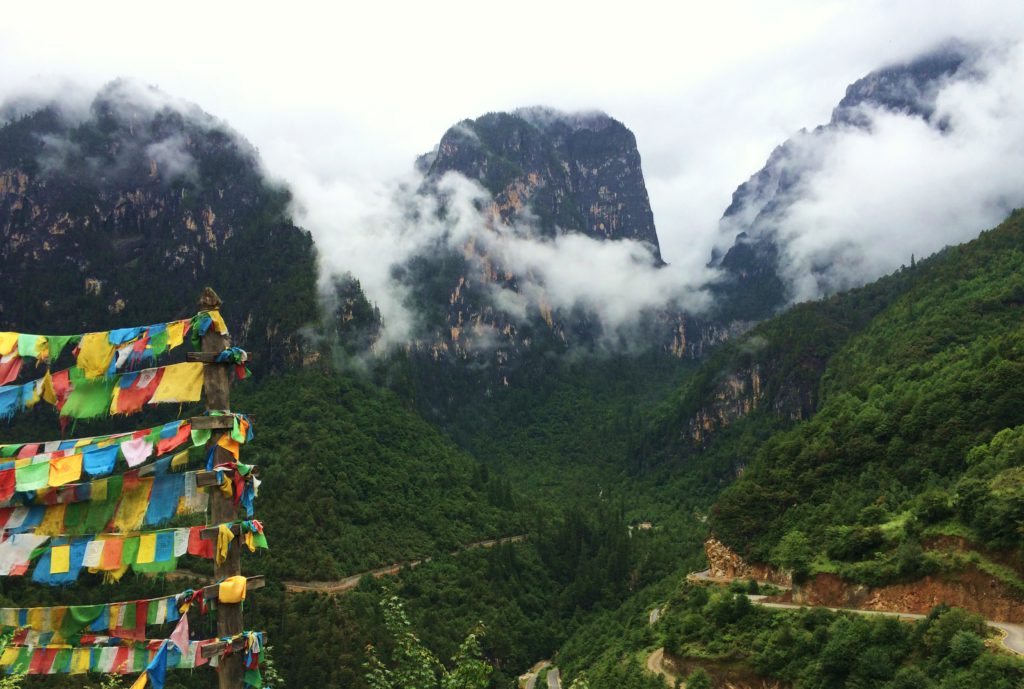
x=130, y=400
x=9, y=370
x=6, y=484
x=61, y=386
x=42, y=659
x=197, y=545
x=122, y=664
x=182, y=436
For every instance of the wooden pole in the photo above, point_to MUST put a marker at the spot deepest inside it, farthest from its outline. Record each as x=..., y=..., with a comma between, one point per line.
x=217, y=387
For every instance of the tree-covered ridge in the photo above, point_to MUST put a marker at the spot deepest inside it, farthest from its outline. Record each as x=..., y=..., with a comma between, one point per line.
x=721, y=638
x=903, y=439
x=356, y=480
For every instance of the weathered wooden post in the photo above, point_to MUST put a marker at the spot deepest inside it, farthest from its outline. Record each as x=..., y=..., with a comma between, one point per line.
x=223, y=510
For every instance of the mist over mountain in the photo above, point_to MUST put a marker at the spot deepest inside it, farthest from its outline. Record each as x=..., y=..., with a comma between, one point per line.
x=915, y=156
x=116, y=211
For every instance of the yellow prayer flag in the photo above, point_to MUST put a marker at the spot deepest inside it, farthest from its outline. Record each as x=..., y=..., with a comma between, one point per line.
x=99, y=490
x=179, y=461
x=176, y=332
x=65, y=470
x=8, y=343
x=37, y=394
x=57, y=616
x=9, y=617
x=22, y=462
x=219, y=326
x=53, y=521
x=113, y=399
x=180, y=383
x=35, y=618
x=42, y=348
x=60, y=559
x=80, y=658
x=95, y=354
x=132, y=509
x=47, y=392
x=10, y=655
x=140, y=683
x=147, y=549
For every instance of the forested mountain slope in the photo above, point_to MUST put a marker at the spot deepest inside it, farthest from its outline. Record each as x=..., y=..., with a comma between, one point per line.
x=916, y=433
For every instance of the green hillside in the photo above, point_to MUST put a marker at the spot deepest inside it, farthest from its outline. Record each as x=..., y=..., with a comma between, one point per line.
x=915, y=434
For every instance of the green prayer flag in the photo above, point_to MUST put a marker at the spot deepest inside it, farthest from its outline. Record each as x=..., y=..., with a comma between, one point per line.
x=78, y=617
x=155, y=568
x=260, y=540
x=28, y=345
x=102, y=511
x=89, y=398
x=236, y=432
x=57, y=344
x=129, y=554
x=74, y=518
x=61, y=661
x=200, y=436
x=32, y=477
x=9, y=450
x=24, y=659
x=158, y=342
x=253, y=678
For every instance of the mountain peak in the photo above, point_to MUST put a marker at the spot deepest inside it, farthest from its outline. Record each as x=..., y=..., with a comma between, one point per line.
x=554, y=171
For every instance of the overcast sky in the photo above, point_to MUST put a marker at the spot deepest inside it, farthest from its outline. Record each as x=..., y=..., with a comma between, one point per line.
x=341, y=100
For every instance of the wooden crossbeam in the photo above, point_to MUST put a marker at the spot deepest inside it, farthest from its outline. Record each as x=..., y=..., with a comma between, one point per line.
x=218, y=648
x=211, y=358
x=205, y=479
x=251, y=584
x=212, y=423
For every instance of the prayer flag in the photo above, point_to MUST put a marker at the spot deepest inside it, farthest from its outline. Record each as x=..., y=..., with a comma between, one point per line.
x=180, y=383
x=65, y=470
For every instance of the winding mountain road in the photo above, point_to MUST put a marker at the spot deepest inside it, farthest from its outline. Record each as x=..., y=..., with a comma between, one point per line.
x=529, y=679
x=656, y=665
x=350, y=582
x=1012, y=640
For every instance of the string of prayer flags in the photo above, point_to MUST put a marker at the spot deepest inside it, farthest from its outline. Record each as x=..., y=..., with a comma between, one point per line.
x=100, y=453
x=108, y=655
x=147, y=501
x=142, y=441
x=50, y=479
x=60, y=561
x=98, y=353
x=40, y=626
x=78, y=396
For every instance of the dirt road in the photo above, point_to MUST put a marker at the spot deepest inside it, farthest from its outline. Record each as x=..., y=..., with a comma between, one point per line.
x=350, y=582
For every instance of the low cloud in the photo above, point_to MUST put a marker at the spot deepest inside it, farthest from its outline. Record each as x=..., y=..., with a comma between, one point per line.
x=901, y=186
x=374, y=233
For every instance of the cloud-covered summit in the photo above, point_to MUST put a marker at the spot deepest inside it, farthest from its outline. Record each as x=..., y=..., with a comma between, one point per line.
x=916, y=156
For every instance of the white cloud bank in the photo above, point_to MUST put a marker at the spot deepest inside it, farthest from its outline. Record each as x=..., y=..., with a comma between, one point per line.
x=904, y=187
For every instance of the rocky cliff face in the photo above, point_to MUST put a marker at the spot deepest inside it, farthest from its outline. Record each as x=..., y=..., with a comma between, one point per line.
x=970, y=589
x=555, y=172
x=754, y=284
x=123, y=213
x=726, y=565
x=546, y=175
